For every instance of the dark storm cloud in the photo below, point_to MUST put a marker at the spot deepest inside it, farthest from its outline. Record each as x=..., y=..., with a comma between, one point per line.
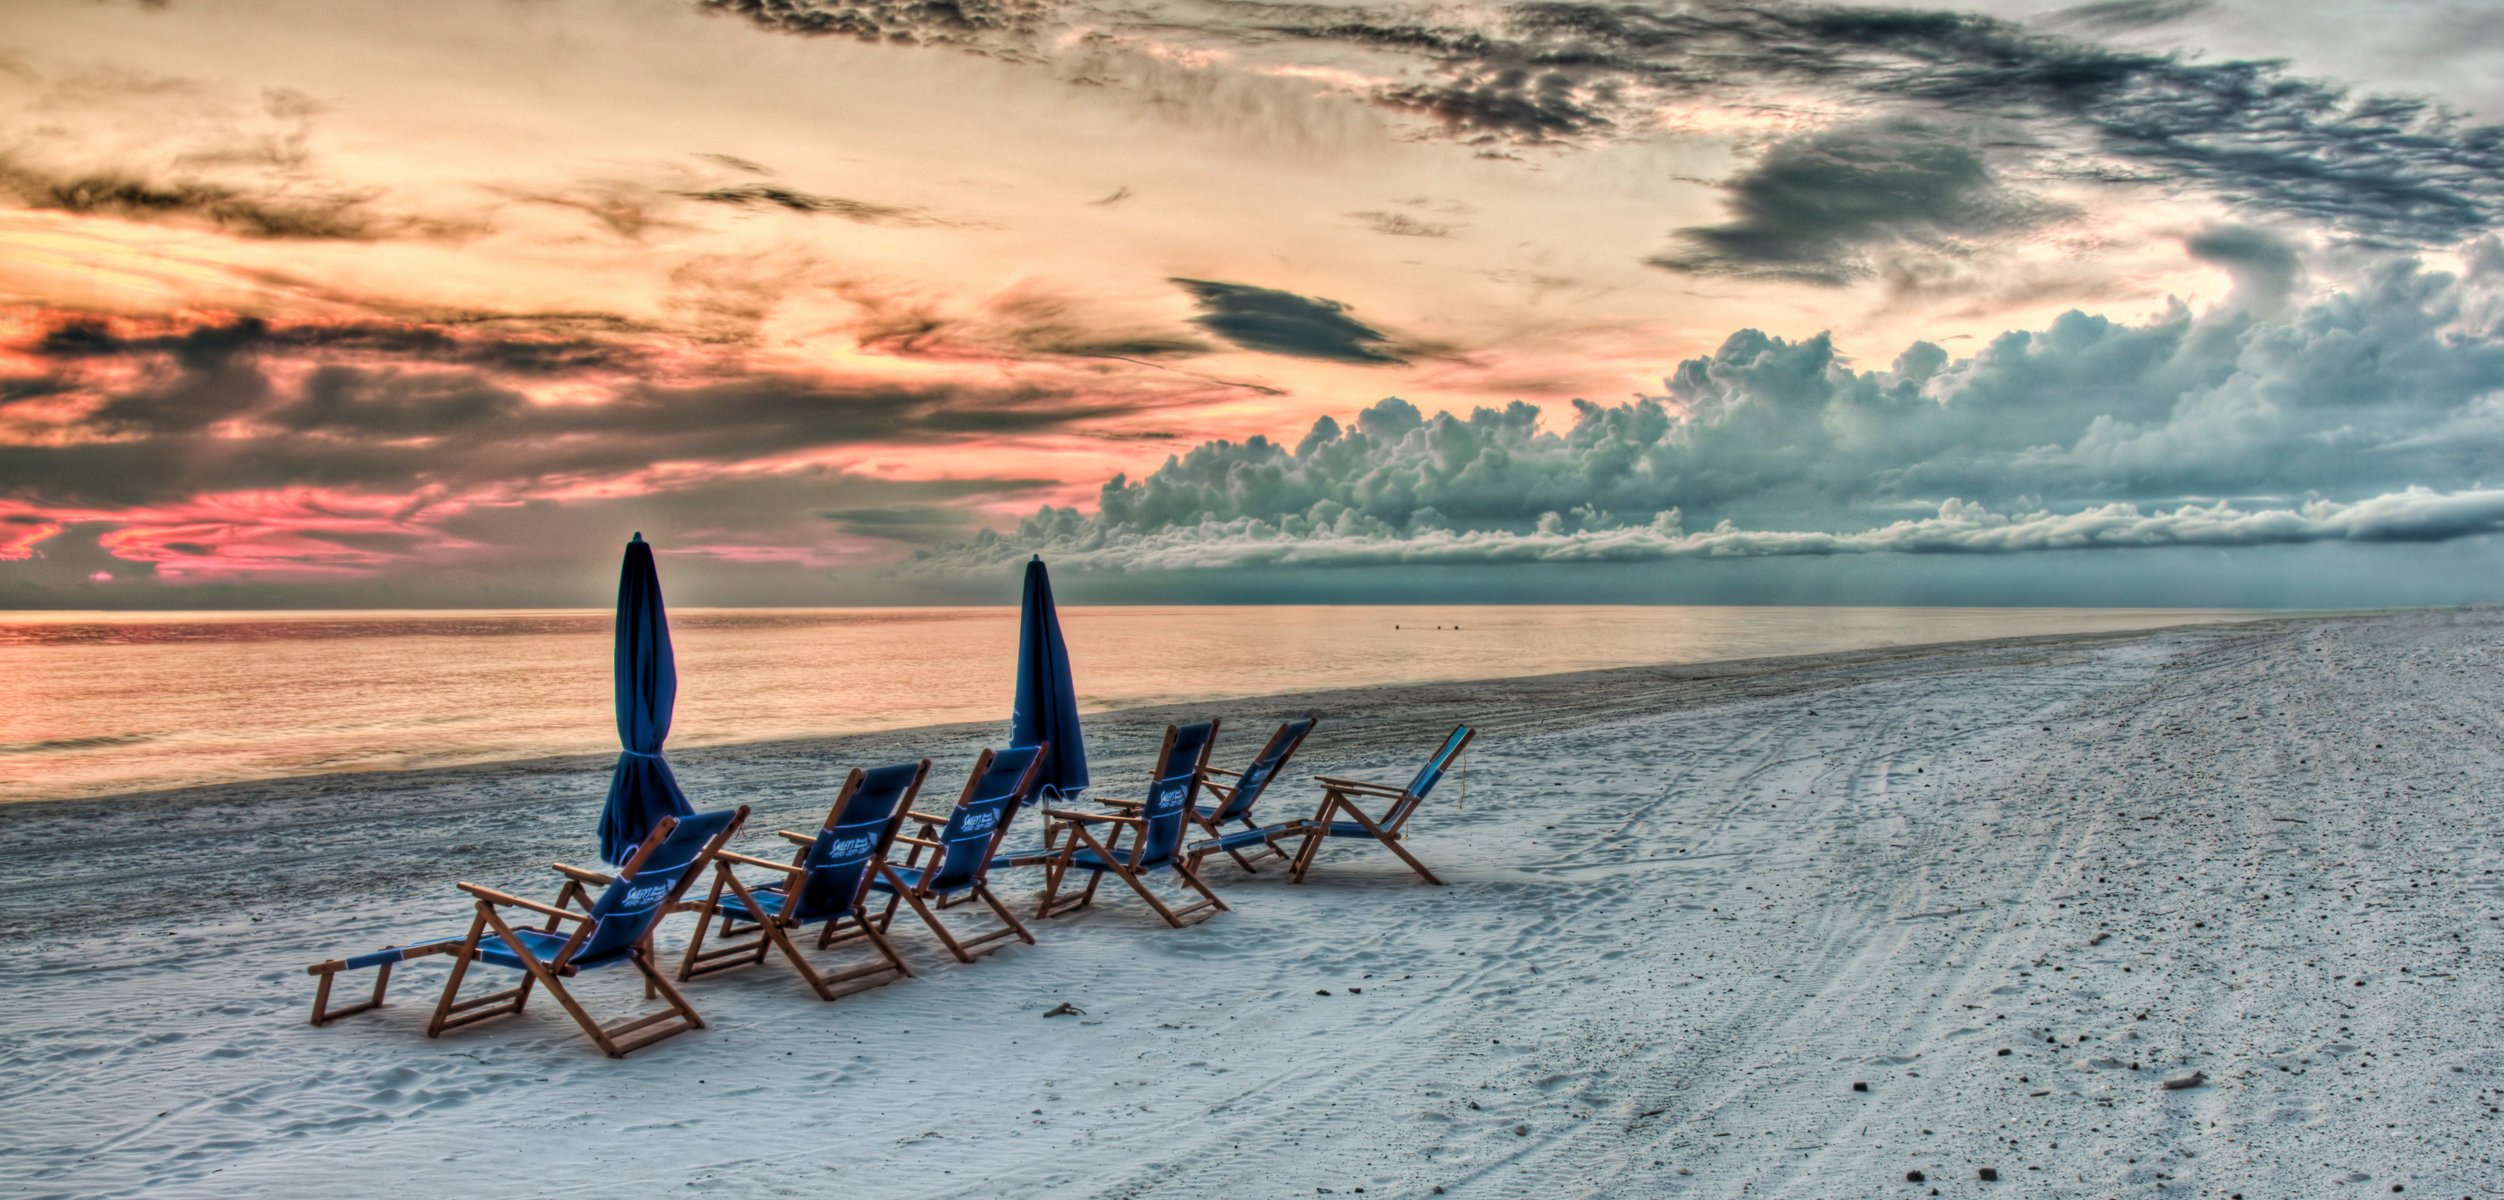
x=1517, y=102
x=75, y=339
x=1818, y=208
x=2265, y=268
x=246, y=405
x=2399, y=170
x=1278, y=322
x=2394, y=169
x=921, y=524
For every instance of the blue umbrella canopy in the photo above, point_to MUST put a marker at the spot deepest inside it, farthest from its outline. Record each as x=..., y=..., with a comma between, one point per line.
x=641, y=790
x=1047, y=694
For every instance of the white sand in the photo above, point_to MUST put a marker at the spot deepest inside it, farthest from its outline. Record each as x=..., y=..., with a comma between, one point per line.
x=1690, y=907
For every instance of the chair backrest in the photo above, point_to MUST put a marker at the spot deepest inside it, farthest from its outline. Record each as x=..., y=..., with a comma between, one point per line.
x=859, y=830
x=1172, y=791
x=1273, y=757
x=649, y=883
x=1002, y=780
x=1430, y=774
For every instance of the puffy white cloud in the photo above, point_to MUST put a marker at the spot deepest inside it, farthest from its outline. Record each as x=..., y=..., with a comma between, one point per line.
x=1959, y=527
x=2372, y=412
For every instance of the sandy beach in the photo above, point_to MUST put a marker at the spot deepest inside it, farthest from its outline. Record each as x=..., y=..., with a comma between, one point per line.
x=1784, y=927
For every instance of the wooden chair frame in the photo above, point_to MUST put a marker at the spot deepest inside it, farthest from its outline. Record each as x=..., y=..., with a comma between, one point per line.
x=927, y=902
x=1341, y=795
x=1071, y=832
x=743, y=943
x=615, y=1038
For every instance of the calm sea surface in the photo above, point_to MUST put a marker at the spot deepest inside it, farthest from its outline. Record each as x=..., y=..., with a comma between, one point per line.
x=96, y=704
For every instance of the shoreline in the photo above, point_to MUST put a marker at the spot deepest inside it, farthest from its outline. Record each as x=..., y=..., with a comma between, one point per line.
x=1700, y=671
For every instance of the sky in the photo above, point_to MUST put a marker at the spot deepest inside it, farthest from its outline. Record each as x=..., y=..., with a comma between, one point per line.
x=2136, y=302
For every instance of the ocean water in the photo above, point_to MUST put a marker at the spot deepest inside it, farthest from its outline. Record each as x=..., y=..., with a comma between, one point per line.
x=98, y=704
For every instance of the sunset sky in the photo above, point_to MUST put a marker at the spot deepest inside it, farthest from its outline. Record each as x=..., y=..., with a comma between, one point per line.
x=2136, y=302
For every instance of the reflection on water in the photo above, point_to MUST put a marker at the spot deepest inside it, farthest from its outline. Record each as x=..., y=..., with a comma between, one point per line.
x=99, y=704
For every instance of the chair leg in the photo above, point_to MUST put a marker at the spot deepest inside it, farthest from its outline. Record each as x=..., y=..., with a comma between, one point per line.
x=1006, y=917
x=888, y=967
x=1191, y=876
x=1304, y=856
x=1053, y=869
x=323, y=1013
x=931, y=919
x=704, y=922
x=1410, y=859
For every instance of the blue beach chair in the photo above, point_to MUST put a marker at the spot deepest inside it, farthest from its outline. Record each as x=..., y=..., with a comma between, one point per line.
x=1341, y=795
x=823, y=885
x=1236, y=793
x=950, y=860
x=613, y=929
x=1155, y=830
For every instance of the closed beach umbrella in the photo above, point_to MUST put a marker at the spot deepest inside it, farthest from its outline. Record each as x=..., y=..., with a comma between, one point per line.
x=1047, y=693
x=642, y=790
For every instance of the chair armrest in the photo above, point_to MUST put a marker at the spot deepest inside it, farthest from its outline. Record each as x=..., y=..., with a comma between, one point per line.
x=583, y=875
x=1119, y=803
x=1218, y=771
x=1093, y=818
x=798, y=839
x=1357, y=785
x=920, y=841
x=492, y=896
x=919, y=815
x=750, y=860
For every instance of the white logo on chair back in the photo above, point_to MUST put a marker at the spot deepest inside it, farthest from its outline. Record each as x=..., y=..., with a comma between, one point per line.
x=1169, y=797
x=981, y=822
x=645, y=895
x=847, y=849
x=1252, y=778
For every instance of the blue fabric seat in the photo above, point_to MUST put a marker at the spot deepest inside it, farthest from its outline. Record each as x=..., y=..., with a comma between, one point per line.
x=543, y=946
x=911, y=878
x=1345, y=829
x=771, y=898
x=1239, y=838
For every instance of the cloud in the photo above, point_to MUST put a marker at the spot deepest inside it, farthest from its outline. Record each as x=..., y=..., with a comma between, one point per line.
x=1278, y=322
x=766, y=195
x=244, y=447
x=110, y=142
x=1818, y=209
x=272, y=211
x=914, y=523
x=2373, y=412
x=1528, y=105
x=2117, y=16
x=2265, y=267
x=2414, y=515
x=2384, y=168
x=1402, y=225
x=958, y=23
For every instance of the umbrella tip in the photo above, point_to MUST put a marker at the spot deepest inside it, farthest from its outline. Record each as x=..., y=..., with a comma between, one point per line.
x=638, y=536
x=1038, y=558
